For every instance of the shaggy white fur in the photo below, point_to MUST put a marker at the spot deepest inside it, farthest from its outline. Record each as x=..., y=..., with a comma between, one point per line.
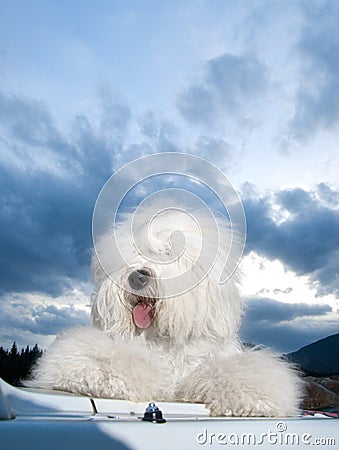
x=146, y=346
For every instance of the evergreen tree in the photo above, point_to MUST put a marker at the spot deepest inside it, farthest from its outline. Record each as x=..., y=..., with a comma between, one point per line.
x=14, y=350
x=16, y=366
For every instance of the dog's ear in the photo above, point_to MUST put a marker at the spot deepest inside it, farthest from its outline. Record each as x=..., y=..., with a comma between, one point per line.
x=102, y=313
x=109, y=312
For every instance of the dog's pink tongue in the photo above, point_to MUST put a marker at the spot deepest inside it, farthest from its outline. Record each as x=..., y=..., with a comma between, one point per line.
x=143, y=315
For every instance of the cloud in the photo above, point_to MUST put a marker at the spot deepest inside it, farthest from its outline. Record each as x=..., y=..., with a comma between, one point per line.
x=116, y=115
x=40, y=319
x=26, y=121
x=214, y=150
x=305, y=238
x=162, y=135
x=149, y=124
x=283, y=326
x=327, y=195
x=229, y=86
x=49, y=182
x=266, y=309
x=317, y=103
x=50, y=319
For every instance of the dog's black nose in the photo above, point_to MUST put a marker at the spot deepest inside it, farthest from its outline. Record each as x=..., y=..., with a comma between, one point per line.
x=138, y=279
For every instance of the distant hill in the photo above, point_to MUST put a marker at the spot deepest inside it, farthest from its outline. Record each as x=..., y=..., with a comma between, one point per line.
x=321, y=357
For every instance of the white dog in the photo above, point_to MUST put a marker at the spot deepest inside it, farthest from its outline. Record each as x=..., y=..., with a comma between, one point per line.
x=151, y=345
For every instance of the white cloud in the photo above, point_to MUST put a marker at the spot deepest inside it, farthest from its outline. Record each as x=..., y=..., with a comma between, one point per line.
x=263, y=277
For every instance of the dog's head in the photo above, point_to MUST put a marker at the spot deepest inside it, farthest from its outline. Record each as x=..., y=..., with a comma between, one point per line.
x=160, y=277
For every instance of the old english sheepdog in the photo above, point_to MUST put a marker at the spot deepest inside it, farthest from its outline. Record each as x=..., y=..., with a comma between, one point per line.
x=166, y=328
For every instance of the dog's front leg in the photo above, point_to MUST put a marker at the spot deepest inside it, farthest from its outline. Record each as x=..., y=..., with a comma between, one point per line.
x=87, y=361
x=250, y=383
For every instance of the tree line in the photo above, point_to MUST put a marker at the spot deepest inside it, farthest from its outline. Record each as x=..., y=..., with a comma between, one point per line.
x=16, y=365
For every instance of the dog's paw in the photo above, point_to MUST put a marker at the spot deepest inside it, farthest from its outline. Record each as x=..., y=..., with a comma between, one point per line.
x=257, y=408
x=244, y=384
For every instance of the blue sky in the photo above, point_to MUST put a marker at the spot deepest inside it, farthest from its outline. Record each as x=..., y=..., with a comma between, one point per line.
x=253, y=87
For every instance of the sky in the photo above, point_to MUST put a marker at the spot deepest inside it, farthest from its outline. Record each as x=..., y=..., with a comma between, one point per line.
x=251, y=86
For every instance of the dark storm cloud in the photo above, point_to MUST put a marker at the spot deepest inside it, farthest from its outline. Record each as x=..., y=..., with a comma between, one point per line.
x=317, y=104
x=306, y=241
x=45, y=215
x=287, y=337
x=266, y=309
x=285, y=327
x=228, y=85
x=44, y=236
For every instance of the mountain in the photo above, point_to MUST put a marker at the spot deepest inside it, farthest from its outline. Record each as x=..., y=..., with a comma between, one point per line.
x=320, y=357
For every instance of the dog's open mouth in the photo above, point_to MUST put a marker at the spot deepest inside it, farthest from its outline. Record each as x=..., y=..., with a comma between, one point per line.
x=143, y=314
